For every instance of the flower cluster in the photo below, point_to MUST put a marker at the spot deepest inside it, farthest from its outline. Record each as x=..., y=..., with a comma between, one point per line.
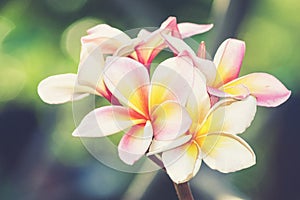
x=189, y=109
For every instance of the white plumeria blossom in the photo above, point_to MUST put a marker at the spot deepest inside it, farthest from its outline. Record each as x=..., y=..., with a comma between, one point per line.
x=214, y=136
x=150, y=110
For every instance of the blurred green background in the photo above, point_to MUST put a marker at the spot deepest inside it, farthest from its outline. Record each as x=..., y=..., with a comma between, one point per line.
x=39, y=159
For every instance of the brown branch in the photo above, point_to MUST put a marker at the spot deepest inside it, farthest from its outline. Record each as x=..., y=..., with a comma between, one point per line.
x=183, y=191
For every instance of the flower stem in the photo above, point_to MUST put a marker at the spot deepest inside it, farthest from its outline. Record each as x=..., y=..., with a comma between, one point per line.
x=183, y=191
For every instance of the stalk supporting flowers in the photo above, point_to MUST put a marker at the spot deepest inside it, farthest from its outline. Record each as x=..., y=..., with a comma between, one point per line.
x=188, y=111
x=183, y=191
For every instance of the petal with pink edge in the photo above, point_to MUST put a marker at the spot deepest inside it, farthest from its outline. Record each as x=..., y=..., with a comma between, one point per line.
x=170, y=120
x=128, y=81
x=228, y=60
x=267, y=89
x=180, y=162
x=227, y=153
x=106, y=121
x=149, y=47
x=187, y=29
x=230, y=117
x=170, y=24
x=62, y=88
x=135, y=143
x=177, y=45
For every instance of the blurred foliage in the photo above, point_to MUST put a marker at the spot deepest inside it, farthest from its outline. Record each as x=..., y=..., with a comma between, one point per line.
x=271, y=33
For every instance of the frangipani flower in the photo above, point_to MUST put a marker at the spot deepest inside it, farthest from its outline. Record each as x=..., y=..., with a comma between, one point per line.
x=149, y=109
x=214, y=136
x=222, y=77
x=146, y=46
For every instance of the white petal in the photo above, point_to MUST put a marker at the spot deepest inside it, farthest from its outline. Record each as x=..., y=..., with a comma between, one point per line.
x=158, y=146
x=232, y=117
x=227, y=153
x=109, y=38
x=180, y=162
x=106, y=121
x=173, y=78
x=189, y=29
x=91, y=68
x=198, y=103
x=62, y=88
x=127, y=80
x=207, y=68
x=170, y=120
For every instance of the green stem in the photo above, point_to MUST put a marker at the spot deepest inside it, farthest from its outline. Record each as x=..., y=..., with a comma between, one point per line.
x=183, y=191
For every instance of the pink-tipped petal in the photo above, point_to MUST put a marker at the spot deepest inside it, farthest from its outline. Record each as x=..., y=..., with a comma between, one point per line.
x=62, y=88
x=170, y=120
x=228, y=60
x=172, y=80
x=170, y=25
x=168, y=21
x=135, y=143
x=227, y=153
x=128, y=80
x=189, y=29
x=180, y=163
x=149, y=47
x=267, y=89
x=177, y=45
x=106, y=121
